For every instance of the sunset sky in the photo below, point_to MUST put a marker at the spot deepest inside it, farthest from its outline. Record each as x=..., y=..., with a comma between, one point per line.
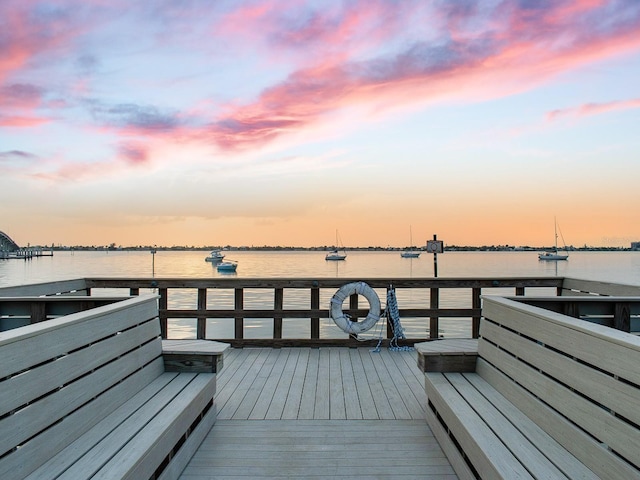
x=199, y=122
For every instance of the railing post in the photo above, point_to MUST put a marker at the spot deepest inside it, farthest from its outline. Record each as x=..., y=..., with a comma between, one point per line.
x=201, y=329
x=315, y=305
x=475, y=304
x=353, y=304
x=572, y=309
x=163, y=305
x=239, y=305
x=278, y=303
x=434, y=304
x=38, y=312
x=622, y=317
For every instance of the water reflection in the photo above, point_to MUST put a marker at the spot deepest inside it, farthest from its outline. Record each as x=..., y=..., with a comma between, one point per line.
x=409, y=261
x=333, y=267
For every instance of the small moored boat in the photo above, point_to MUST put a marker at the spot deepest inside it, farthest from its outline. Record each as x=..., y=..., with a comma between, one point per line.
x=215, y=256
x=410, y=253
x=554, y=255
x=335, y=254
x=227, y=266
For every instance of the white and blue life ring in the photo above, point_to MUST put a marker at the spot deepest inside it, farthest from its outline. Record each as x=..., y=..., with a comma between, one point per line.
x=342, y=320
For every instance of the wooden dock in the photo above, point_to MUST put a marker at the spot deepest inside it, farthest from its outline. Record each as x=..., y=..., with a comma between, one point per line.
x=323, y=407
x=25, y=254
x=320, y=413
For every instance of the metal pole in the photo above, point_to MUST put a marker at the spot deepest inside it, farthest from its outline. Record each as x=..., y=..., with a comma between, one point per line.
x=435, y=258
x=153, y=262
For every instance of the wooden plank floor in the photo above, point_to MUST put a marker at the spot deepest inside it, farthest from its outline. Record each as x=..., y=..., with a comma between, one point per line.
x=319, y=413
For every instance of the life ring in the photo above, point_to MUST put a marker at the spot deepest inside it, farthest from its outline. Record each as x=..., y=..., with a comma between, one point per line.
x=342, y=320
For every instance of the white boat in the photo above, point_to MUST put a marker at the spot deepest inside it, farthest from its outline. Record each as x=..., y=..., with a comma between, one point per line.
x=335, y=254
x=227, y=266
x=554, y=255
x=215, y=256
x=411, y=253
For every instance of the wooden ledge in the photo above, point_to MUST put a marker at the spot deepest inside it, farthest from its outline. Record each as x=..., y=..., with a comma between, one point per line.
x=448, y=355
x=197, y=356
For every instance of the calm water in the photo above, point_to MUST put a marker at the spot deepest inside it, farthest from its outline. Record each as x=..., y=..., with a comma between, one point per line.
x=621, y=267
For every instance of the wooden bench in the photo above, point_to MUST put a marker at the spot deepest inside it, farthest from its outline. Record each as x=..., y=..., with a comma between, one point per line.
x=551, y=397
x=88, y=396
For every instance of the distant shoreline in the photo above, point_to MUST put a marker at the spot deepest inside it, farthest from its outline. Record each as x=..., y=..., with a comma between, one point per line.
x=451, y=248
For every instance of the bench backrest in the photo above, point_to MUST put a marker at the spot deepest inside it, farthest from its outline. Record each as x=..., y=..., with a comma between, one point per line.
x=575, y=287
x=60, y=377
x=578, y=381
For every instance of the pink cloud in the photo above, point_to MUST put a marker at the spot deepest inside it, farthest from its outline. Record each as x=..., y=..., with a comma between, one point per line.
x=58, y=169
x=21, y=121
x=30, y=36
x=26, y=35
x=370, y=55
x=594, y=109
x=492, y=60
x=313, y=36
x=134, y=153
x=344, y=61
x=491, y=53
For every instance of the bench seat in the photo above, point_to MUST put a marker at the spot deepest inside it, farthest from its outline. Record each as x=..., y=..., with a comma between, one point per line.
x=128, y=443
x=496, y=437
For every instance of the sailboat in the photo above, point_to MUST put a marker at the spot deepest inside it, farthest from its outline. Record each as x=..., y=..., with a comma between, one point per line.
x=554, y=255
x=335, y=253
x=410, y=253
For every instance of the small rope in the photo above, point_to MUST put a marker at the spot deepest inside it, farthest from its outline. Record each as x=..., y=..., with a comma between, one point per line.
x=377, y=347
x=393, y=313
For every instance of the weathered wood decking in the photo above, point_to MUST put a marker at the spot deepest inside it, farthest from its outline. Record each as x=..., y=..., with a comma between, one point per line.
x=320, y=413
x=320, y=384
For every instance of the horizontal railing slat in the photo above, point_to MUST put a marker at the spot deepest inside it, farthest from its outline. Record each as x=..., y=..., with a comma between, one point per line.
x=308, y=313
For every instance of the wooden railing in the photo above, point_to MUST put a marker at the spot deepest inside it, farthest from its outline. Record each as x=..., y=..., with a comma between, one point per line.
x=20, y=311
x=433, y=303
x=431, y=311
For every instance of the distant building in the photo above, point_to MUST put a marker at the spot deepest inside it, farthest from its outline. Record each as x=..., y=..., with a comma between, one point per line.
x=635, y=245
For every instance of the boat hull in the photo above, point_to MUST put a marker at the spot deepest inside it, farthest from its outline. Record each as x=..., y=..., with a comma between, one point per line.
x=227, y=267
x=335, y=255
x=552, y=257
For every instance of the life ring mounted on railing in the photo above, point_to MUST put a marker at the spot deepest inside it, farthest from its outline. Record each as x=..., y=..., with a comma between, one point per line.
x=342, y=320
